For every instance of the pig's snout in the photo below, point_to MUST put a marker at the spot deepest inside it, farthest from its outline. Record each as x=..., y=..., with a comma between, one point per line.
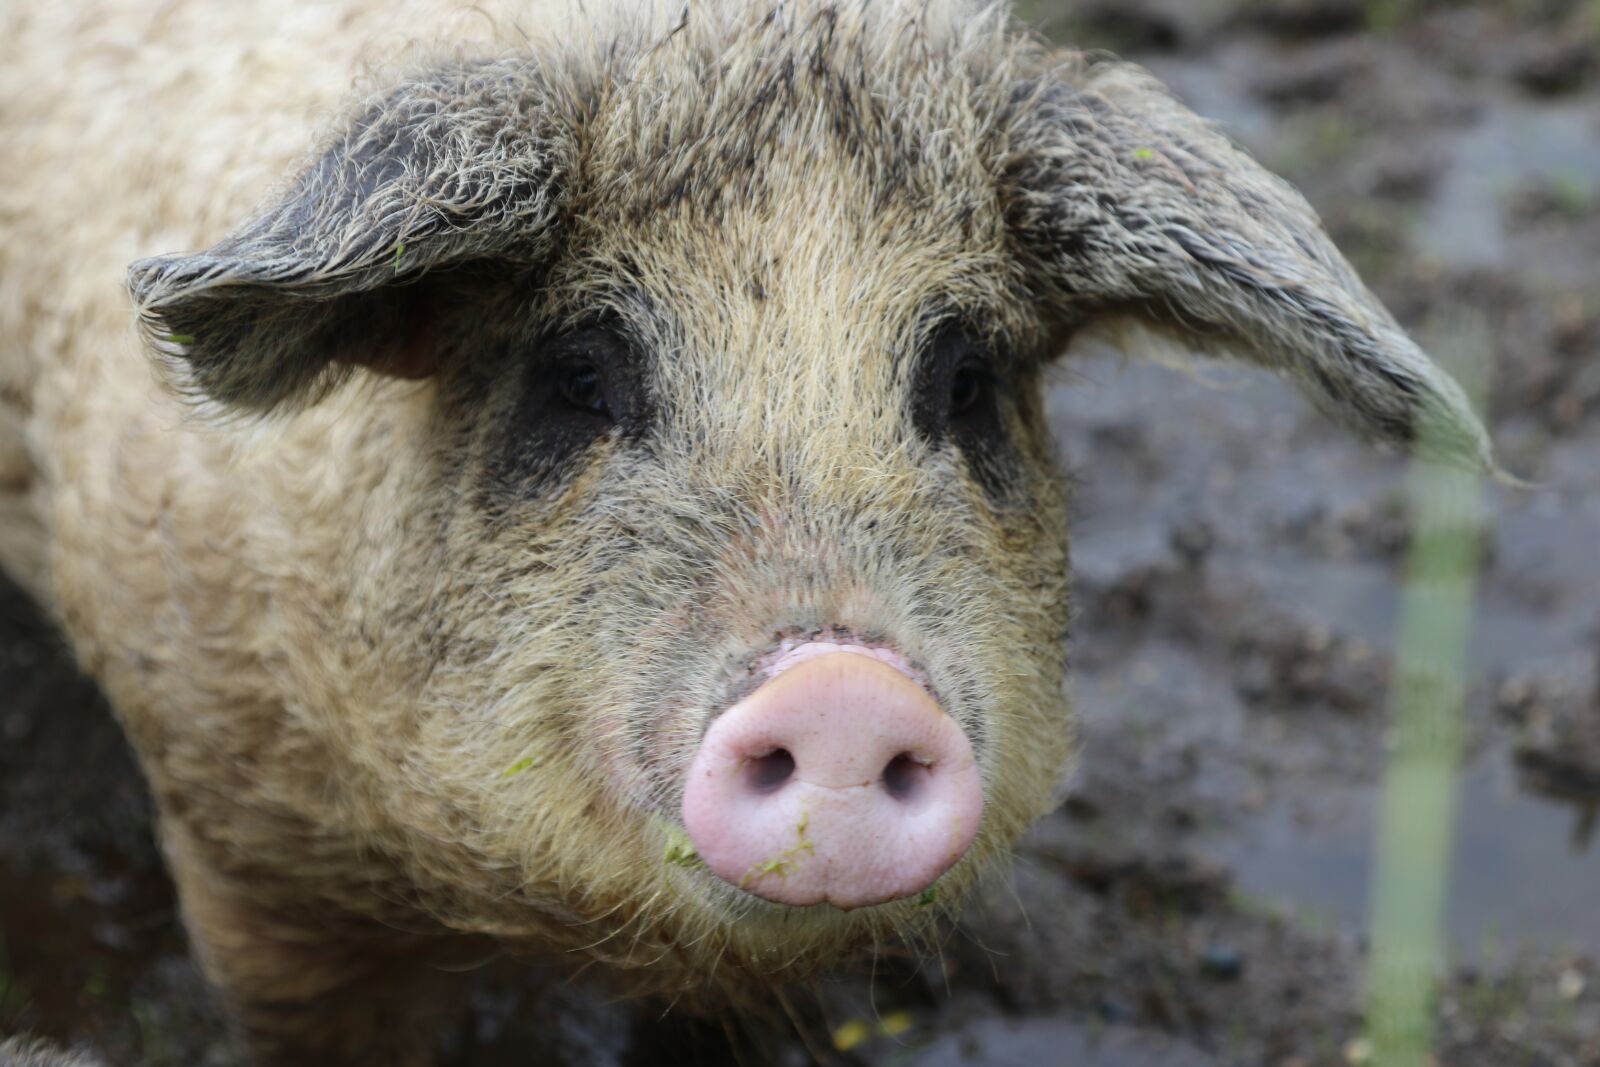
x=840, y=780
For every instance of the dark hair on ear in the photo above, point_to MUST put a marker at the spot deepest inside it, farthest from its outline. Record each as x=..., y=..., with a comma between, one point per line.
x=1122, y=199
x=463, y=164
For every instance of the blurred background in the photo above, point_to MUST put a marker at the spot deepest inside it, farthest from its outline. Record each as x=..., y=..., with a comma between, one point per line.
x=1203, y=897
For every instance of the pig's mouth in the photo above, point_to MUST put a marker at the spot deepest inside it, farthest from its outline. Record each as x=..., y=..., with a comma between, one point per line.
x=835, y=777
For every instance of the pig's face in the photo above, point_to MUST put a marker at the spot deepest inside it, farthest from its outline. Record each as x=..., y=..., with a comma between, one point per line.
x=706, y=442
x=728, y=571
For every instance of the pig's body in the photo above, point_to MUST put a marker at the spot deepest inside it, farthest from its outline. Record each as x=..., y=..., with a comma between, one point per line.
x=20, y=1052
x=403, y=680
x=182, y=561
x=243, y=592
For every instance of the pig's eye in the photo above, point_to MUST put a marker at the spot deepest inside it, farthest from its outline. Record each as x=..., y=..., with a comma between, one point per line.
x=969, y=388
x=960, y=396
x=573, y=389
x=956, y=389
x=582, y=388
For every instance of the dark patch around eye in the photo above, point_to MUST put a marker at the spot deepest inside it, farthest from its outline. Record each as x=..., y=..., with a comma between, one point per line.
x=575, y=389
x=960, y=397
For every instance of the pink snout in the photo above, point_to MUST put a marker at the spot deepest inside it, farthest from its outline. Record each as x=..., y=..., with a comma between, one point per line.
x=840, y=781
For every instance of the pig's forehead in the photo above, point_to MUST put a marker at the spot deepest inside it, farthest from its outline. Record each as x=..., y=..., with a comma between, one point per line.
x=707, y=110
x=816, y=236
x=817, y=266
x=796, y=169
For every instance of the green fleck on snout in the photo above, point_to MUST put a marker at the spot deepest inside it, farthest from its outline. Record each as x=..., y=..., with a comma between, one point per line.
x=779, y=865
x=680, y=851
x=518, y=767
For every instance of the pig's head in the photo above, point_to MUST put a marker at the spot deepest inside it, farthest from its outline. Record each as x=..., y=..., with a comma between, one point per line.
x=709, y=596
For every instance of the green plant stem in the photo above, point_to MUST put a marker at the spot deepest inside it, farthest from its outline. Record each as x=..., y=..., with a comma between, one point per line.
x=1416, y=835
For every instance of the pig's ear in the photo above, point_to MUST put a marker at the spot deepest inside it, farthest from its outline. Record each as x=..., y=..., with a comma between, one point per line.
x=464, y=165
x=1125, y=201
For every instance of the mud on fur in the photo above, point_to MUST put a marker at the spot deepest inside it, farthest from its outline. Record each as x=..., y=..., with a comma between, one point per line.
x=510, y=429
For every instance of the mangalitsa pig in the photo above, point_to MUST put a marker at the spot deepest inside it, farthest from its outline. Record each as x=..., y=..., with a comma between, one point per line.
x=593, y=494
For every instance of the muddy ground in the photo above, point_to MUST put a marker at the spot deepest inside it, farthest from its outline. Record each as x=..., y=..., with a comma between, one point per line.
x=1199, y=899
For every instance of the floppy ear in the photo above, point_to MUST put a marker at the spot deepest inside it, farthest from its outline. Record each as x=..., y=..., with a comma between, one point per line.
x=1125, y=200
x=461, y=166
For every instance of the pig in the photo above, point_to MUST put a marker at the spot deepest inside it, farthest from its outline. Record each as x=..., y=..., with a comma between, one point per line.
x=594, y=498
x=20, y=1052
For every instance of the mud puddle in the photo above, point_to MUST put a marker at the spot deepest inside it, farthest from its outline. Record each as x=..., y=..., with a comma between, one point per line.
x=1525, y=873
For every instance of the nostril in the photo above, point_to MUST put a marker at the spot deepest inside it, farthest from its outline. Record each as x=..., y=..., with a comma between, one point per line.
x=767, y=774
x=903, y=776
